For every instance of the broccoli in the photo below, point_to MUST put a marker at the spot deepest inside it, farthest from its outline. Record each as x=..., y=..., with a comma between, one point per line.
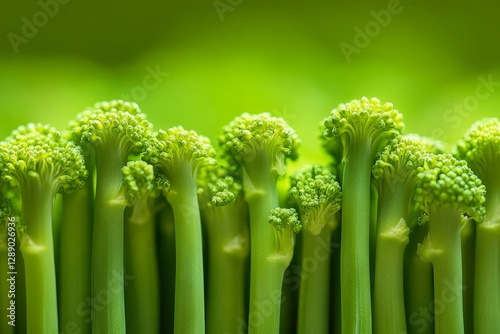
x=178, y=154
x=116, y=130
x=355, y=132
x=317, y=195
x=395, y=176
x=448, y=193
x=225, y=217
x=480, y=147
x=39, y=162
x=75, y=240
x=261, y=144
x=141, y=189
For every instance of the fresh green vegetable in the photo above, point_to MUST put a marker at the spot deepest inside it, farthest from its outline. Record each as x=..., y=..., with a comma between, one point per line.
x=395, y=177
x=38, y=162
x=76, y=243
x=317, y=195
x=116, y=130
x=178, y=154
x=142, y=292
x=261, y=144
x=447, y=192
x=480, y=147
x=225, y=217
x=354, y=133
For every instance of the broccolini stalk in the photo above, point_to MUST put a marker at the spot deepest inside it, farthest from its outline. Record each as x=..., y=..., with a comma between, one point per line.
x=480, y=147
x=260, y=144
x=76, y=243
x=178, y=154
x=395, y=176
x=447, y=192
x=225, y=217
x=38, y=162
x=316, y=193
x=142, y=305
x=357, y=131
x=116, y=130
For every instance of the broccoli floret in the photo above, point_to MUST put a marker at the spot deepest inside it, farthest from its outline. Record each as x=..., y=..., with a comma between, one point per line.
x=178, y=153
x=480, y=147
x=447, y=192
x=38, y=162
x=261, y=144
x=115, y=130
x=317, y=195
x=224, y=214
x=357, y=131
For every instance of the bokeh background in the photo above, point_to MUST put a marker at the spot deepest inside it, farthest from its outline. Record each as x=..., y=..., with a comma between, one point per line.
x=201, y=63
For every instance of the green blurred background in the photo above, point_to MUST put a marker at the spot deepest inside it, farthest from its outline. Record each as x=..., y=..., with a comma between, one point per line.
x=438, y=62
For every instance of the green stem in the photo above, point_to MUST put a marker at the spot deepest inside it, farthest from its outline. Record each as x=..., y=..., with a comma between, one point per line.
x=446, y=257
x=227, y=267
x=38, y=254
x=419, y=288
x=108, y=309
x=189, y=316
x=487, y=278
x=76, y=243
x=142, y=293
x=355, y=242
x=314, y=294
x=468, y=236
x=392, y=238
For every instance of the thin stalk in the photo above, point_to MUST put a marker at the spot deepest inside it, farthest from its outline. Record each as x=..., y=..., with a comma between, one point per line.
x=38, y=254
x=142, y=293
x=76, y=243
x=314, y=294
x=355, y=242
x=487, y=278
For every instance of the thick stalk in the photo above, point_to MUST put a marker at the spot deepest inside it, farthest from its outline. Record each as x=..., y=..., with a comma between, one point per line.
x=392, y=238
x=189, y=316
x=38, y=254
x=108, y=311
x=446, y=257
x=468, y=236
x=314, y=294
x=355, y=242
x=487, y=278
x=142, y=293
x=227, y=262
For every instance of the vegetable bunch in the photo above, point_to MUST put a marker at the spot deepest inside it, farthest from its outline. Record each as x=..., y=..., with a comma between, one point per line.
x=124, y=228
